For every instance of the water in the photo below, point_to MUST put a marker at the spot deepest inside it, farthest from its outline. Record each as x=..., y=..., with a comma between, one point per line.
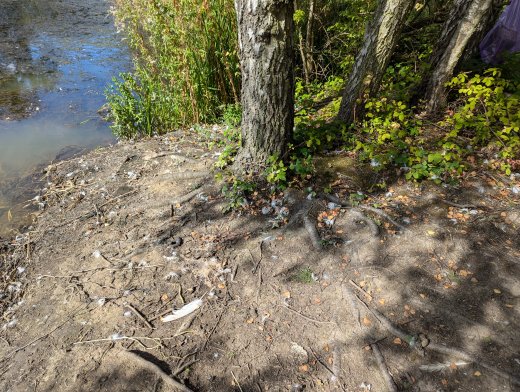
x=56, y=58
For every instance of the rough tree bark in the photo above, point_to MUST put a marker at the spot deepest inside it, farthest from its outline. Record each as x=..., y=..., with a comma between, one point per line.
x=379, y=43
x=463, y=24
x=265, y=36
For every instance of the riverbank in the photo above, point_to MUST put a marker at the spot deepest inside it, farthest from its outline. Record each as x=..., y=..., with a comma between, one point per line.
x=129, y=232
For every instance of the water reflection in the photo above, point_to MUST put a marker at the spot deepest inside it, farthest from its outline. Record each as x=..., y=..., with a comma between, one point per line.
x=56, y=57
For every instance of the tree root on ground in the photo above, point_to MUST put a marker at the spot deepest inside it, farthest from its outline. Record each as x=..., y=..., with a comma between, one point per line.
x=313, y=232
x=383, y=369
x=152, y=367
x=377, y=211
x=185, y=175
x=188, y=196
x=420, y=343
x=374, y=229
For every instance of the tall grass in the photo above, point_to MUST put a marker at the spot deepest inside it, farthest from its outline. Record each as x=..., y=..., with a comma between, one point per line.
x=186, y=64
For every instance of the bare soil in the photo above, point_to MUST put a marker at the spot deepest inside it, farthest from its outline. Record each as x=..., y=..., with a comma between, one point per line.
x=117, y=247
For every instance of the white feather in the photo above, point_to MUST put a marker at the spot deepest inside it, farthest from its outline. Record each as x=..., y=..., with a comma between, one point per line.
x=184, y=311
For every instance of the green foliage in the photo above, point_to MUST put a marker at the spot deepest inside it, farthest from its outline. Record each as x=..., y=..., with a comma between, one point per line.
x=186, y=64
x=232, y=115
x=235, y=190
x=487, y=111
x=305, y=275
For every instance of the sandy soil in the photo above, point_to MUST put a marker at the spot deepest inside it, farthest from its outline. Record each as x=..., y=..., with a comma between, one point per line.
x=118, y=246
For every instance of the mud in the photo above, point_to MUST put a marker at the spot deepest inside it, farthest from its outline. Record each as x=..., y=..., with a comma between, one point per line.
x=119, y=244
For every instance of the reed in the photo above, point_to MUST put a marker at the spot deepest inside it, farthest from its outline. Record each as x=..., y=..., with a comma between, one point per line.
x=185, y=64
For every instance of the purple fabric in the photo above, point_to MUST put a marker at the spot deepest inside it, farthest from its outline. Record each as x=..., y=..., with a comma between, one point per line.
x=504, y=36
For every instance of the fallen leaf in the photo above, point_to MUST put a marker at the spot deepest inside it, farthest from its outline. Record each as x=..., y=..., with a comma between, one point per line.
x=303, y=368
x=464, y=273
x=286, y=294
x=250, y=320
x=497, y=291
x=382, y=301
x=477, y=374
x=397, y=341
x=453, y=366
x=366, y=321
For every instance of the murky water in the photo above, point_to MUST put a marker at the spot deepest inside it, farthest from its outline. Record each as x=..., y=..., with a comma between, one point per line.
x=56, y=58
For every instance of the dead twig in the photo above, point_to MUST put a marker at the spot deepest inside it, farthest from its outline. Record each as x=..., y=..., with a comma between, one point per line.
x=236, y=381
x=140, y=316
x=152, y=367
x=68, y=318
x=360, y=289
x=383, y=369
x=304, y=316
x=90, y=214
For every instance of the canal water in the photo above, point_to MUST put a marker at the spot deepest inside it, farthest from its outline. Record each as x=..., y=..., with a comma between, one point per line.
x=56, y=59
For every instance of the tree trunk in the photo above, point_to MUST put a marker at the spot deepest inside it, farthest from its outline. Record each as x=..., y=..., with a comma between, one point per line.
x=265, y=36
x=464, y=22
x=379, y=43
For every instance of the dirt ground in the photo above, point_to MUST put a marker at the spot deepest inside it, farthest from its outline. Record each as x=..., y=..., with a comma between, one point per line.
x=426, y=276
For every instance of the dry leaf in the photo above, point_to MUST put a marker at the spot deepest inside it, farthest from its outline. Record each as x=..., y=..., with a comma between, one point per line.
x=286, y=294
x=303, y=368
x=453, y=366
x=382, y=301
x=497, y=291
x=366, y=321
x=397, y=341
x=250, y=320
x=477, y=374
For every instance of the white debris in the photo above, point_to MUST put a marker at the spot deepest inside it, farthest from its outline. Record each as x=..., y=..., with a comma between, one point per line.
x=96, y=254
x=184, y=311
x=20, y=270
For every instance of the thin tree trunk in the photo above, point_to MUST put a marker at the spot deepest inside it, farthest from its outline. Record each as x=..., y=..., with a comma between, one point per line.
x=309, y=40
x=464, y=22
x=265, y=36
x=379, y=43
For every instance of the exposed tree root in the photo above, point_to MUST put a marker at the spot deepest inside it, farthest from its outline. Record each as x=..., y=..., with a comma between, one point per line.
x=186, y=175
x=377, y=211
x=383, y=369
x=384, y=215
x=188, y=196
x=374, y=229
x=152, y=367
x=313, y=232
x=421, y=343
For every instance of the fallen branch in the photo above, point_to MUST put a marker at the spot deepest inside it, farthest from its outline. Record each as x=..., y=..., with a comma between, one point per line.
x=152, y=367
x=383, y=369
